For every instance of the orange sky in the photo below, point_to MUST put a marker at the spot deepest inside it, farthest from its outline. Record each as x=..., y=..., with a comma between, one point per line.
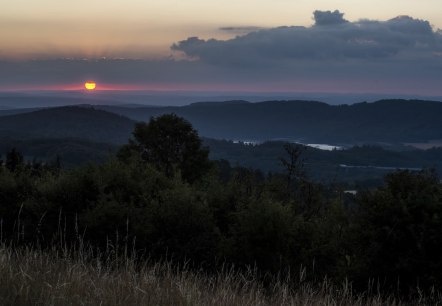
x=146, y=29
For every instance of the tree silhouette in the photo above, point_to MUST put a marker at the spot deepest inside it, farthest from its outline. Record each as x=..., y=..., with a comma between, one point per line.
x=294, y=165
x=170, y=144
x=14, y=160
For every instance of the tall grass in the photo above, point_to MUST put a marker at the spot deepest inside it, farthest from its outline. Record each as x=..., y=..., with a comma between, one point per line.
x=76, y=277
x=76, y=274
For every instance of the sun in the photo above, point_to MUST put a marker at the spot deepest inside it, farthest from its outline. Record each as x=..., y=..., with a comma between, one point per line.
x=90, y=85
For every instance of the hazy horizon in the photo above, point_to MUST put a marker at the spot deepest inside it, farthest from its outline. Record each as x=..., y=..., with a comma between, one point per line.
x=181, y=98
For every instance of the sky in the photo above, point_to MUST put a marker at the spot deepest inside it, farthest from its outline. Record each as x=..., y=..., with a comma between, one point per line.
x=348, y=46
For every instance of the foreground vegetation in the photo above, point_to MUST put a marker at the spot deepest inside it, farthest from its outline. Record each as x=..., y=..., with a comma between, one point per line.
x=162, y=199
x=63, y=277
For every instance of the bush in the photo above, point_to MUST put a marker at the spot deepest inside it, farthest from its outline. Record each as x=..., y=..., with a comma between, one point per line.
x=398, y=231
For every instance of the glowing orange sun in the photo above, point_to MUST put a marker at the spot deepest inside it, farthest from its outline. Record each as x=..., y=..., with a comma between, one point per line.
x=90, y=85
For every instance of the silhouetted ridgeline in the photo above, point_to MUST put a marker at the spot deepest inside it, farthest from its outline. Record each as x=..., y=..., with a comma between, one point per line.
x=13, y=102
x=307, y=121
x=69, y=122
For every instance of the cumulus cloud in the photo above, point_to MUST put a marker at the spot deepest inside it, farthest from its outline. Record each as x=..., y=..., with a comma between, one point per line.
x=331, y=38
x=328, y=17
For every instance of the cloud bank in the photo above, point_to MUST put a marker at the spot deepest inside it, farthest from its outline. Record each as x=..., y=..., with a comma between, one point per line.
x=330, y=38
x=399, y=55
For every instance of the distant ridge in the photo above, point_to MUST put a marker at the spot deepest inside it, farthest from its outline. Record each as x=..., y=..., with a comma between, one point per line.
x=231, y=102
x=30, y=101
x=393, y=120
x=389, y=121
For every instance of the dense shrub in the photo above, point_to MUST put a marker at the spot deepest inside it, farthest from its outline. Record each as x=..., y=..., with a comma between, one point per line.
x=398, y=231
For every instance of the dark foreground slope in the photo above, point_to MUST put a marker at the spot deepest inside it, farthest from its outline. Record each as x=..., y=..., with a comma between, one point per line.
x=307, y=121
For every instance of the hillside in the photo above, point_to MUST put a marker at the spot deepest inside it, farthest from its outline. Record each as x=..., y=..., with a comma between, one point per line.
x=73, y=152
x=346, y=166
x=384, y=121
x=69, y=122
x=358, y=163
x=82, y=134
x=392, y=121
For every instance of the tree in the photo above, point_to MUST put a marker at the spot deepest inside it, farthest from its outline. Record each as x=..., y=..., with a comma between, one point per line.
x=398, y=231
x=14, y=160
x=294, y=165
x=170, y=144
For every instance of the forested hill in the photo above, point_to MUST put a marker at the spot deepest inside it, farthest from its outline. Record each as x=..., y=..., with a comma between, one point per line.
x=307, y=121
x=82, y=134
x=68, y=122
x=391, y=121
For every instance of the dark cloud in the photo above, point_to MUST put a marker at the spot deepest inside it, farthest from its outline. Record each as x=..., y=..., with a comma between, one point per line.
x=241, y=29
x=328, y=18
x=332, y=37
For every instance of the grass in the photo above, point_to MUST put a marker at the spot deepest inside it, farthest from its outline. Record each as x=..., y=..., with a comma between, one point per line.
x=34, y=277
